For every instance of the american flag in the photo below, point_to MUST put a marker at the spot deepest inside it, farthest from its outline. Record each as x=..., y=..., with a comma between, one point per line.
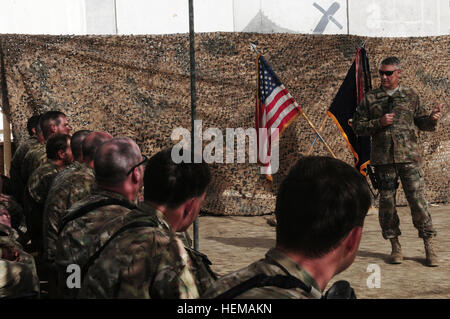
x=275, y=110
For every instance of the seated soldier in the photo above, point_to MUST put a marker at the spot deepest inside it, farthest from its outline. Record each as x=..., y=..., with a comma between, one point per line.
x=18, y=276
x=59, y=155
x=144, y=258
x=35, y=139
x=113, y=198
x=57, y=194
x=320, y=211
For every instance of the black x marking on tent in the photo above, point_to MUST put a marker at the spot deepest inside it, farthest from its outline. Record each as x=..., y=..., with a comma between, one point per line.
x=327, y=16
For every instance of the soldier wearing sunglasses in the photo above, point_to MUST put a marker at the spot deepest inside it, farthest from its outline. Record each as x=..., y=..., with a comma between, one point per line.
x=392, y=115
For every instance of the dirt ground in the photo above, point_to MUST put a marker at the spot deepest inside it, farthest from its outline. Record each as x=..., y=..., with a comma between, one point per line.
x=234, y=242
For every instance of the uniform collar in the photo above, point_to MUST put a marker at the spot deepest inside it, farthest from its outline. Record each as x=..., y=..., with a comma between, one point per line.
x=111, y=194
x=400, y=90
x=162, y=220
x=294, y=269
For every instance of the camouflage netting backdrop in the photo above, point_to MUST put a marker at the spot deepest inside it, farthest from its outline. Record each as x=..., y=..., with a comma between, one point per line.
x=139, y=86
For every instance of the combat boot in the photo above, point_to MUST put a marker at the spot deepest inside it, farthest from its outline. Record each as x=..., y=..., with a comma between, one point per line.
x=396, y=254
x=431, y=256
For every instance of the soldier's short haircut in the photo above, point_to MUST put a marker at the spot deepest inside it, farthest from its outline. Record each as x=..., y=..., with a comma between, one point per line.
x=47, y=119
x=33, y=123
x=91, y=144
x=76, y=143
x=56, y=143
x=113, y=159
x=171, y=184
x=318, y=203
x=392, y=60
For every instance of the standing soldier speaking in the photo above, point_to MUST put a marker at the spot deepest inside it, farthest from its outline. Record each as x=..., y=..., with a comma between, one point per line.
x=391, y=115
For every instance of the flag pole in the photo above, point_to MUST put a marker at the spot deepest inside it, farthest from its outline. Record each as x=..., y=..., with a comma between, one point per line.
x=315, y=138
x=318, y=134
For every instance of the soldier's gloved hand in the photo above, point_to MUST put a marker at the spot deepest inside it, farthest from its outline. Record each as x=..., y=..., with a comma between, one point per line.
x=340, y=290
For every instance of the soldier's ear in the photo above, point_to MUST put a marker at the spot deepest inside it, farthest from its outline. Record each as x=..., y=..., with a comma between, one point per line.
x=353, y=239
x=136, y=175
x=61, y=154
x=189, y=206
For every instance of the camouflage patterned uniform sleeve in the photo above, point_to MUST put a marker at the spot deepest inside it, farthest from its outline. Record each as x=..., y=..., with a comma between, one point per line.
x=422, y=118
x=40, y=181
x=174, y=276
x=32, y=160
x=363, y=123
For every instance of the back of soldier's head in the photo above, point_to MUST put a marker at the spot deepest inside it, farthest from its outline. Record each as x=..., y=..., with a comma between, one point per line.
x=91, y=144
x=47, y=119
x=32, y=124
x=56, y=143
x=171, y=184
x=318, y=203
x=76, y=143
x=113, y=160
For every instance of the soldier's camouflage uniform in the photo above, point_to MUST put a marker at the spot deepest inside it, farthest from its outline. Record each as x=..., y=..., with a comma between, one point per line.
x=70, y=185
x=17, y=216
x=17, y=183
x=35, y=195
x=18, y=276
x=274, y=263
x=395, y=152
x=35, y=157
x=146, y=262
x=77, y=238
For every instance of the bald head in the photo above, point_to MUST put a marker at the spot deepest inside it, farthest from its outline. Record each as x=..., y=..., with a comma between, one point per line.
x=91, y=144
x=113, y=160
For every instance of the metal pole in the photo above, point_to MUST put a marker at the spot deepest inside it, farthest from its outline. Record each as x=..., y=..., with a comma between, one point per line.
x=348, y=20
x=6, y=145
x=193, y=96
x=7, y=153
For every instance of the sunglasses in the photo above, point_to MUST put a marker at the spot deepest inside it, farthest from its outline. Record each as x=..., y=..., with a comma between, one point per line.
x=138, y=164
x=388, y=73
